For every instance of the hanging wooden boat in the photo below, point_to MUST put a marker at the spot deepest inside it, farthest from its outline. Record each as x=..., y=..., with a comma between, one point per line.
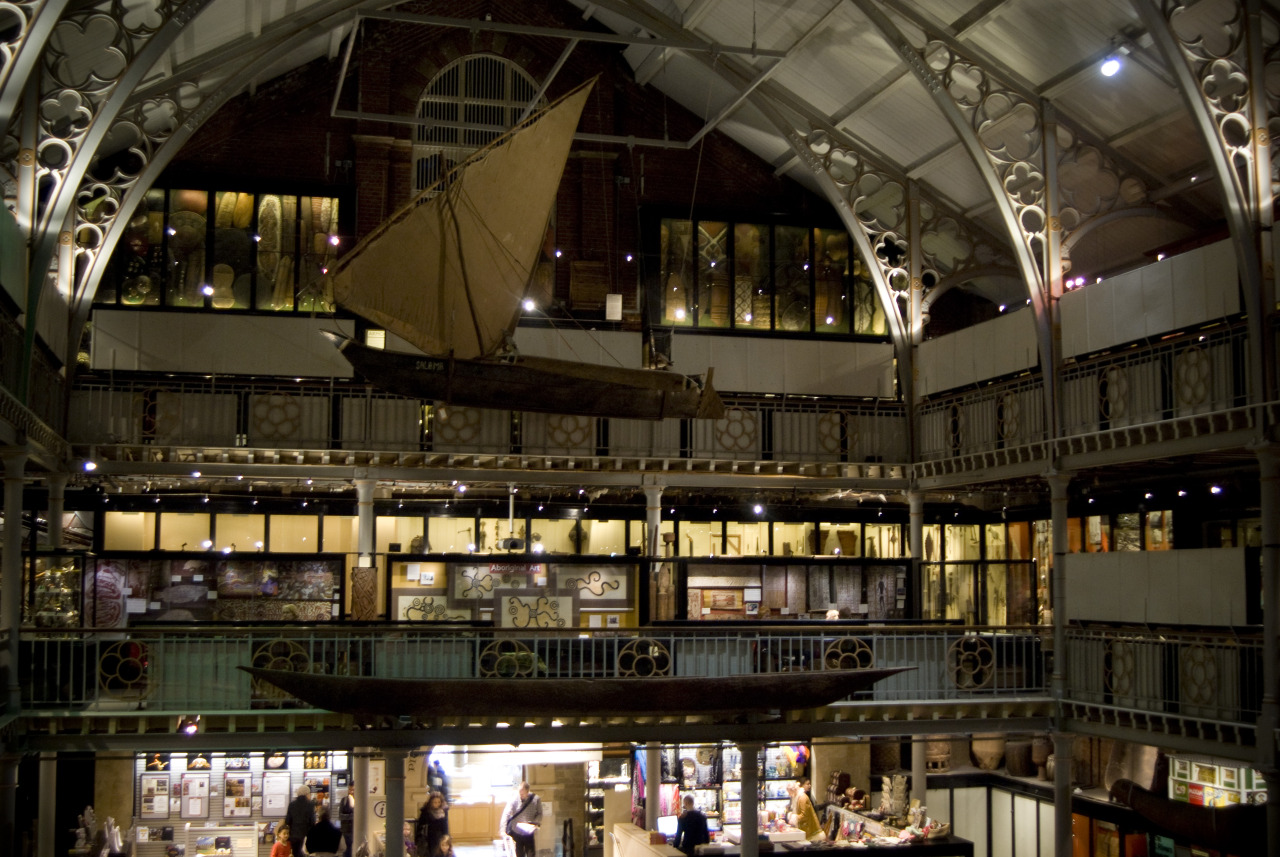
x=754, y=692
x=1238, y=829
x=449, y=272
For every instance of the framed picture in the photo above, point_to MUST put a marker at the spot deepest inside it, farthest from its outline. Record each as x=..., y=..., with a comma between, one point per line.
x=154, y=791
x=595, y=586
x=518, y=608
x=722, y=599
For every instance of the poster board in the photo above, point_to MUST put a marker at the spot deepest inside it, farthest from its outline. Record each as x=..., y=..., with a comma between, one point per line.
x=236, y=801
x=154, y=790
x=275, y=794
x=195, y=796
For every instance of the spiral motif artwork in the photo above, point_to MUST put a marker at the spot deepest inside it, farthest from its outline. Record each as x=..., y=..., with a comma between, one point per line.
x=643, y=658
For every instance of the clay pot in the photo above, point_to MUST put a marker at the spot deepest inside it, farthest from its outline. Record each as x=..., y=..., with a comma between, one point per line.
x=987, y=749
x=937, y=753
x=1041, y=750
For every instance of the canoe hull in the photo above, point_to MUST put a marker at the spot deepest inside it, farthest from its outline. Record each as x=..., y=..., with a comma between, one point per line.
x=370, y=696
x=543, y=386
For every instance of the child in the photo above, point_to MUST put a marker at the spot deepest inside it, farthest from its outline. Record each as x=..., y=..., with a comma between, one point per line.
x=282, y=847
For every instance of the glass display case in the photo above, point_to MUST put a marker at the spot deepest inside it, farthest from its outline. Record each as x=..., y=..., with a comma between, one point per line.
x=55, y=591
x=603, y=776
x=209, y=586
x=776, y=767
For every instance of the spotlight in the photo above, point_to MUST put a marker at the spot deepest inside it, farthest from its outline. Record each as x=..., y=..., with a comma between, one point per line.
x=758, y=509
x=1110, y=66
x=90, y=466
x=1182, y=493
x=189, y=725
x=1215, y=489
x=529, y=305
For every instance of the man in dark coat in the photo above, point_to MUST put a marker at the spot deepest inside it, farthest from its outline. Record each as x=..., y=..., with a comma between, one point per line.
x=300, y=815
x=691, y=828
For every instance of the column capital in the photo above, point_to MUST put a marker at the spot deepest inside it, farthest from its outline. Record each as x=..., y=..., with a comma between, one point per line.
x=15, y=461
x=1059, y=478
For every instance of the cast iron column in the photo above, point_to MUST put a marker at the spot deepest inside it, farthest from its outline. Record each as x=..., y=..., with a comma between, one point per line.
x=360, y=775
x=1269, y=714
x=652, y=792
x=750, y=801
x=15, y=462
x=1058, y=485
x=57, y=483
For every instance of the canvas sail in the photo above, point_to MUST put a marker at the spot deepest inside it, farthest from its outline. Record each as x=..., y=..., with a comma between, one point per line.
x=448, y=273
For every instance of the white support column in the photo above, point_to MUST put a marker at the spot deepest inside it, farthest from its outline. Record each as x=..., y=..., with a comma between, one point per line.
x=652, y=520
x=395, y=800
x=364, y=517
x=750, y=800
x=360, y=772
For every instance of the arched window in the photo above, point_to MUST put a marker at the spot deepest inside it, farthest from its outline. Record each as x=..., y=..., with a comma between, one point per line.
x=475, y=99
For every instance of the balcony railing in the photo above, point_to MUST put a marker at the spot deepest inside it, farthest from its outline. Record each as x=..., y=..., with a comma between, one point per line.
x=1194, y=677
x=178, y=670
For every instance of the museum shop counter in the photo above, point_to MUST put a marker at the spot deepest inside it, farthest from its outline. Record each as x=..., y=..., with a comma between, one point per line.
x=632, y=841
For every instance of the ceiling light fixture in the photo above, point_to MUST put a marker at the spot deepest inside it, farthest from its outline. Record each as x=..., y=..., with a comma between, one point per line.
x=1110, y=66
